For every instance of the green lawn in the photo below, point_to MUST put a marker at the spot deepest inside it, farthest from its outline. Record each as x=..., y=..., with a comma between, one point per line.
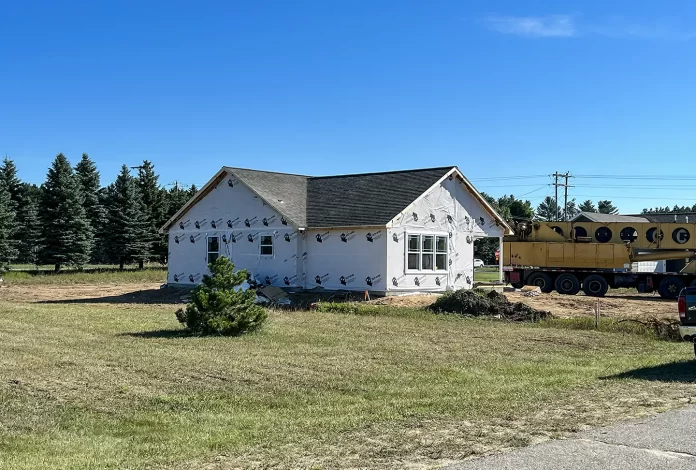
x=115, y=386
x=486, y=275
x=88, y=277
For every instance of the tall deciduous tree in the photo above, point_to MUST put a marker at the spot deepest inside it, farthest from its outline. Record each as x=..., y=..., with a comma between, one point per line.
x=67, y=234
x=606, y=207
x=128, y=226
x=154, y=207
x=8, y=250
x=88, y=178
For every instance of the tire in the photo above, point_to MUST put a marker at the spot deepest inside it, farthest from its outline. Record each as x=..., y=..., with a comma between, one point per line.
x=670, y=287
x=595, y=285
x=567, y=284
x=517, y=285
x=542, y=281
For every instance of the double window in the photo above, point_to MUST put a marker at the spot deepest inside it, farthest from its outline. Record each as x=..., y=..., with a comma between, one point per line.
x=426, y=252
x=213, y=249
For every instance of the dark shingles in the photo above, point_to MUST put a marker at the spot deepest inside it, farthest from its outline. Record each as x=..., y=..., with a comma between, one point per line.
x=366, y=199
x=341, y=201
x=276, y=187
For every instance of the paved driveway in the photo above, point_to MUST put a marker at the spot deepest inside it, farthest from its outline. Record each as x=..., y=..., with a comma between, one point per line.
x=667, y=440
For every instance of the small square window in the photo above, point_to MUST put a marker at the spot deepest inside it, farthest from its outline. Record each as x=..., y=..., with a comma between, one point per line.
x=212, y=257
x=266, y=245
x=213, y=244
x=428, y=243
x=413, y=261
x=442, y=244
x=413, y=242
x=441, y=261
x=427, y=261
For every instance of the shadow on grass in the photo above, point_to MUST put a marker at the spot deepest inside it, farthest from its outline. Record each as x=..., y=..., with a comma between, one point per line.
x=167, y=334
x=682, y=371
x=148, y=296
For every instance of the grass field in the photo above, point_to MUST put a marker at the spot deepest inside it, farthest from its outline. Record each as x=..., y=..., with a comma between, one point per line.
x=73, y=278
x=486, y=274
x=116, y=386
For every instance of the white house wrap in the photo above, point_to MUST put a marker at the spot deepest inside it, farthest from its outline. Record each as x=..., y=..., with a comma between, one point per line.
x=381, y=232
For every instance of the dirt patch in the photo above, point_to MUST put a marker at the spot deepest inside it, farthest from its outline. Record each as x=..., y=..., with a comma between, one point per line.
x=616, y=304
x=625, y=305
x=98, y=293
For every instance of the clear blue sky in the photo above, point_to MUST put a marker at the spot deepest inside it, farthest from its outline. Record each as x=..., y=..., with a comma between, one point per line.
x=502, y=88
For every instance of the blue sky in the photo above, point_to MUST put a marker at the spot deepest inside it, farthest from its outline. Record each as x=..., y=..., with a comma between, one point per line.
x=508, y=91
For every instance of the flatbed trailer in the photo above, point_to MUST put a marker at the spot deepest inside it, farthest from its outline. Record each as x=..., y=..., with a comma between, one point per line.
x=596, y=282
x=593, y=257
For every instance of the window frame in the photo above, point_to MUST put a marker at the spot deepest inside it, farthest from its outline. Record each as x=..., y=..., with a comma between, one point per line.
x=207, y=248
x=434, y=253
x=261, y=245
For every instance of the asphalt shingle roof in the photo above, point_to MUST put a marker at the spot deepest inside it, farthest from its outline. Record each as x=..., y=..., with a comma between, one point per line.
x=367, y=199
x=606, y=218
x=669, y=218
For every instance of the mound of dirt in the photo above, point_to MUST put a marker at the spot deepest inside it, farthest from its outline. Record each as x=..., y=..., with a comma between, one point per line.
x=481, y=303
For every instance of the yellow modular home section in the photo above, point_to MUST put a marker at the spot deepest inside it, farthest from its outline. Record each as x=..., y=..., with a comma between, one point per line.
x=641, y=235
x=565, y=255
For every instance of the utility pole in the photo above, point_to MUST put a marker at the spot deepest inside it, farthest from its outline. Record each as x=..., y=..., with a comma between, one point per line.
x=565, y=186
x=555, y=184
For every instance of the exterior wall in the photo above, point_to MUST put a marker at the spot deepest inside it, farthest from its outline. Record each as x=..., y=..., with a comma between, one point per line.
x=448, y=209
x=348, y=259
x=235, y=214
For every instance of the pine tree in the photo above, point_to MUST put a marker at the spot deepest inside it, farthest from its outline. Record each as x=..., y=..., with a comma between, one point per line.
x=548, y=210
x=31, y=243
x=128, y=226
x=154, y=205
x=588, y=206
x=8, y=251
x=66, y=231
x=8, y=175
x=88, y=177
x=606, y=207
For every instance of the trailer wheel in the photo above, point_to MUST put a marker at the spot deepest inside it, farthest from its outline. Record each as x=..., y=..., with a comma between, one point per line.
x=542, y=281
x=567, y=284
x=670, y=287
x=595, y=285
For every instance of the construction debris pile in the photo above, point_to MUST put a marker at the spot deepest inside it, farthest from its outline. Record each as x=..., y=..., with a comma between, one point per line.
x=477, y=303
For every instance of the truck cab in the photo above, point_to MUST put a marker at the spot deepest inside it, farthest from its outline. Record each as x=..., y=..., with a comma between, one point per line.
x=687, y=315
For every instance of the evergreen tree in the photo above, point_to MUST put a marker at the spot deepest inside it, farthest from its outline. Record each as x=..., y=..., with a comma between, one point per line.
x=66, y=231
x=176, y=198
x=13, y=185
x=8, y=250
x=88, y=177
x=606, y=207
x=588, y=206
x=30, y=245
x=128, y=225
x=548, y=210
x=154, y=206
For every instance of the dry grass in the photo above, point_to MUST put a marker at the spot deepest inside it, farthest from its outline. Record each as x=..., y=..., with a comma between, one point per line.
x=117, y=386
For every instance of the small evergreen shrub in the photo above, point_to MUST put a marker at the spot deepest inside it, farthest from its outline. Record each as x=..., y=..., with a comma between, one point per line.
x=217, y=308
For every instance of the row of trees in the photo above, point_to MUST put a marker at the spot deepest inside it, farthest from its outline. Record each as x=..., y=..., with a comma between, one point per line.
x=549, y=211
x=676, y=209
x=72, y=220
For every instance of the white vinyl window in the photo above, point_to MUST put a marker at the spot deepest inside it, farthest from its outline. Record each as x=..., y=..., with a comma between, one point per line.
x=426, y=252
x=213, y=249
x=266, y=245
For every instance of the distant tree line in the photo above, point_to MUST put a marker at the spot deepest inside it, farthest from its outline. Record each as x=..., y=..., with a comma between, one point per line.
x=71, y=220
x=676, y=209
